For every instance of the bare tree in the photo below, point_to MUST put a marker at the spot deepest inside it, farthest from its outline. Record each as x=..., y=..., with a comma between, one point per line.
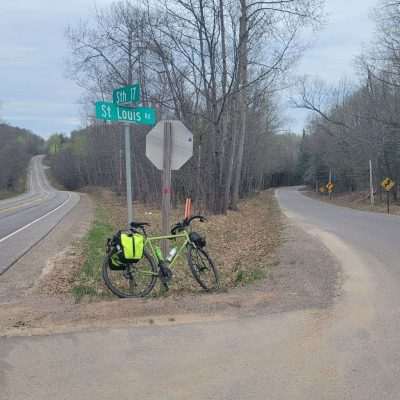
x=207, y=62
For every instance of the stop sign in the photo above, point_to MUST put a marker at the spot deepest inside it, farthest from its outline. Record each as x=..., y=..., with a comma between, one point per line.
x=182, y=145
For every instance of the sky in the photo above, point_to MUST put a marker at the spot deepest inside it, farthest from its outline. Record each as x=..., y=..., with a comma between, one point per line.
x=331, y=58
x=36, y=94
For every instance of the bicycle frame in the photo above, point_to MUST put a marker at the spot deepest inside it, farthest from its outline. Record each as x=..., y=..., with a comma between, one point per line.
x=184, y=235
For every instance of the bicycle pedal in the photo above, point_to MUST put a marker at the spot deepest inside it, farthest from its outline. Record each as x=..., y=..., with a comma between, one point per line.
x=165, y=274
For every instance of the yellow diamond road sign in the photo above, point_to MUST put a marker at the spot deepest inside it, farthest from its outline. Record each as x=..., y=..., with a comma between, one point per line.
x=387, y=184
x=330, y=186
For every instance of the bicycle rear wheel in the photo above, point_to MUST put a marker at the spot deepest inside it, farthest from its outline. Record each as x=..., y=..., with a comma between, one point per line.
x=133, y=280
x=203, y=268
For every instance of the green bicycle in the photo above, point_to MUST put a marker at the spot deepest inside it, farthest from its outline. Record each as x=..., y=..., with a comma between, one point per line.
x=137, y=278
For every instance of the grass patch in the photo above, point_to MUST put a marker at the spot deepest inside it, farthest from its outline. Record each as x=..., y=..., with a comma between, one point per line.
x=89, y=280
x=242, y=244
x=245, y=277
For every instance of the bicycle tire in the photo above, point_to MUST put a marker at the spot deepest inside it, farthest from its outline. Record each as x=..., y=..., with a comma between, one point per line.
x=193, y=260
x=118, y=292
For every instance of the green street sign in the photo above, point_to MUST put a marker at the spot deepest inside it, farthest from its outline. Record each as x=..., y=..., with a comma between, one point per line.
x=139, y=115
x=126, y=94
x=106, y=111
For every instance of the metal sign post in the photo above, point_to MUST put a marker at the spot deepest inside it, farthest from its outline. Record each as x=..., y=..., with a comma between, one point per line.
x=388, y=201
x=128, y=173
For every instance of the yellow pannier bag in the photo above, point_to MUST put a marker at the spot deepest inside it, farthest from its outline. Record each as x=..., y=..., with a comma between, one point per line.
x=132, y=245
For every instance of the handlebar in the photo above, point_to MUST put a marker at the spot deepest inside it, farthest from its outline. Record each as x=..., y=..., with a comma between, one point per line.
x=136, y=226
x=199, y=217
x=180, y=226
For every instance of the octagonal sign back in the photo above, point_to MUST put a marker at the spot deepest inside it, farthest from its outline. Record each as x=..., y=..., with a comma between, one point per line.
x=182, y=145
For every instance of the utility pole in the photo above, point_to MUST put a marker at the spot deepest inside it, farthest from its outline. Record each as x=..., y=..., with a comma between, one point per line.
x=128, y=172
x=371, y=184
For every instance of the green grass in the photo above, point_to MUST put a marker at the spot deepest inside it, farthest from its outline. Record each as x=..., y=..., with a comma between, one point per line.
x=251, y=275
x=89, y=281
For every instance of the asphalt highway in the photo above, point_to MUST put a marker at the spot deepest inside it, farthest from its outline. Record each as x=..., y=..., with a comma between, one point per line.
x=26, y=219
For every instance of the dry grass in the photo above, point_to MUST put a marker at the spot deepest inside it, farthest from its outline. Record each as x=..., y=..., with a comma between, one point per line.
x=4, y=194
x=241, y=243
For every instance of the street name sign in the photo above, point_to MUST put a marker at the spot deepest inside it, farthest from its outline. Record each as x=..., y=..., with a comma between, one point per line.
x=126, y=94
x=181, y=145
x=139, y=115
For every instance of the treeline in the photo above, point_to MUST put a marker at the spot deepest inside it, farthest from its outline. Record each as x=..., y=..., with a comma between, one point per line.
x=353, y=125
x=214, y=64
x=17, y=146
x=94, y=157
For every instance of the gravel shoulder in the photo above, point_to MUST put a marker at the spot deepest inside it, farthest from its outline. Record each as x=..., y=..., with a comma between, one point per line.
x=305, y=276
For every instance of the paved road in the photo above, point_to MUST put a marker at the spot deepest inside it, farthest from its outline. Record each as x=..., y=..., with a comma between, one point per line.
x=25, y=219
x=349, y=351
x=374, y=234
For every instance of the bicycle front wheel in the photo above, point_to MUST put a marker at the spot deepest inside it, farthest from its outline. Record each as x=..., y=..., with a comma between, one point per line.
x=203, y=269
x=132, y=280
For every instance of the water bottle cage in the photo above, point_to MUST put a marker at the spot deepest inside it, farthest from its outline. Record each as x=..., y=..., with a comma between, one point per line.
x=171, y=255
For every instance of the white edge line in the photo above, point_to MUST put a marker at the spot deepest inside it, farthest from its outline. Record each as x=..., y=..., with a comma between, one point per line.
x=36, y=220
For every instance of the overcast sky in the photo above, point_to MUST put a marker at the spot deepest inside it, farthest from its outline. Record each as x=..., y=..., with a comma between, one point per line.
x=35, y=93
